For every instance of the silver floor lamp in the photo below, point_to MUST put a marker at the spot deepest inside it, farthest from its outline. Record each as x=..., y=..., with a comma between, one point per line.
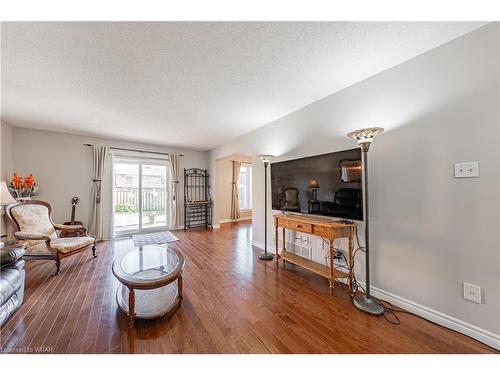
x=266, y=159
x=365, y=137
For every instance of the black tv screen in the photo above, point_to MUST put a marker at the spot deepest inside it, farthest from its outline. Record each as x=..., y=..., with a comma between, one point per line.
x=325, y=185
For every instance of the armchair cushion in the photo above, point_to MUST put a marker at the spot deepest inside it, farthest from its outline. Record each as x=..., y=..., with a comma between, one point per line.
x=38, y=249
x=69, y=244
x=34, y=219
x=62, y=245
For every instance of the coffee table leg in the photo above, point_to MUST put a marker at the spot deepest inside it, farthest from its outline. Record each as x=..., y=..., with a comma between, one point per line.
x=131, y=306
x=179, y=287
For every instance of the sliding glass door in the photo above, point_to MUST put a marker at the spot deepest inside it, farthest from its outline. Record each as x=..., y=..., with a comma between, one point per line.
x=140, y=195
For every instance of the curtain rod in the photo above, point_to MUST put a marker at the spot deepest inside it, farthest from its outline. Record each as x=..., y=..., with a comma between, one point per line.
x=134, y=150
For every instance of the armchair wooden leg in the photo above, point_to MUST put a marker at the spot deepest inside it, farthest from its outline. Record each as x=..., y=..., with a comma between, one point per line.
x=93, y=251
x=58, y=266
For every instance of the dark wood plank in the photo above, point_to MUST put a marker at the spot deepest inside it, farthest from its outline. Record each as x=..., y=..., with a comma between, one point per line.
x=233, y=303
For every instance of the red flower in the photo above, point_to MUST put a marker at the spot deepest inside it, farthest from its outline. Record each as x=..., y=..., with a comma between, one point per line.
x=29, y=181
x=16, y=181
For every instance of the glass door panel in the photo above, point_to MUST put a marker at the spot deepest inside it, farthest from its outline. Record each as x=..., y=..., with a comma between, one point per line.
x=154, y=196
x=140, y=196
x=126, y=197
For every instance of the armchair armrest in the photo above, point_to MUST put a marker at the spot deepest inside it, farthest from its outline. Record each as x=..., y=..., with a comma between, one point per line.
x=31, y=236
x=72, y=228
x=69, y=227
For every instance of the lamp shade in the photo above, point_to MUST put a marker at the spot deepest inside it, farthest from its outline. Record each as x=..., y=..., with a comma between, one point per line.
x=313, y=184
x=365, y=136
x=5, y=196
x=266, y=158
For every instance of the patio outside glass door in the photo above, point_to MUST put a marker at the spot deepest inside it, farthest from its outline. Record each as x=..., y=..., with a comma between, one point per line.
x=140, y=195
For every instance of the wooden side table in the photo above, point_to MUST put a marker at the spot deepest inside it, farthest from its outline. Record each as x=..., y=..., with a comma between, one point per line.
x=321, y=228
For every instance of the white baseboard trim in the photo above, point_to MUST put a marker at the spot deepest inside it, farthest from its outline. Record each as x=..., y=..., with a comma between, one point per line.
x=480, y=334
x=223, y=221
x=216, y=226
x=260, y=245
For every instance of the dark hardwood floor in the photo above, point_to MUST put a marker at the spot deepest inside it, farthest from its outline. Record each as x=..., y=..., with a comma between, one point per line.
x=233, y=303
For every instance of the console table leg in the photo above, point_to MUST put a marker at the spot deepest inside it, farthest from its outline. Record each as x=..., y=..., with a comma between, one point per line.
x=350, y=257
x=276, y=258
x=284, y=244
x=332, y=280
x=131, y=307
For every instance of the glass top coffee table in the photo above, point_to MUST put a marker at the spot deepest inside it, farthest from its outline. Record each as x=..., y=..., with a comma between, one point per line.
x=151, y=278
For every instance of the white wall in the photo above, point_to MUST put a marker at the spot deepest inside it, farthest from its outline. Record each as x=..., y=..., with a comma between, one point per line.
x=430, y=232
x=5, y=166
x=6, y=151
x=62, y=166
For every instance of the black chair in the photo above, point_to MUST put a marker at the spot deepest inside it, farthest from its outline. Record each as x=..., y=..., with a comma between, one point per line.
x=346, y=202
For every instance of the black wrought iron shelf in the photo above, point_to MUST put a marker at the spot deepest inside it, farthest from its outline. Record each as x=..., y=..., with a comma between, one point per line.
x=198, y=204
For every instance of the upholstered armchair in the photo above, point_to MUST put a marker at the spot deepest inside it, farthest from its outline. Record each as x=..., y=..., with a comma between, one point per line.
x=32, y=223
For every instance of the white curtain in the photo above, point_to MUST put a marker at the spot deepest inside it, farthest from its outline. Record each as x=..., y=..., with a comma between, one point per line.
x=235, y=204
x=99, y=158
x=175, y=201
x=107, y=199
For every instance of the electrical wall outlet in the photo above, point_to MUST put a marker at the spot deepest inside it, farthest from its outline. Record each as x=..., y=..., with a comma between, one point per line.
x=472, y=293
x=467, y=170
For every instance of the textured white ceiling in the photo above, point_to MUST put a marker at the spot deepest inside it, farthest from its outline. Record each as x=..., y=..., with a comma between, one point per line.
x=191, y=84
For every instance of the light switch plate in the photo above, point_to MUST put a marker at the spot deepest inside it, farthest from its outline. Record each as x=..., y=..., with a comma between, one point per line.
x=472, y=293
x=467, y=170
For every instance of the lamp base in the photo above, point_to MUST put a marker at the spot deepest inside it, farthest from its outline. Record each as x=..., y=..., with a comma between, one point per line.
x=266, y=256
x=368, y=305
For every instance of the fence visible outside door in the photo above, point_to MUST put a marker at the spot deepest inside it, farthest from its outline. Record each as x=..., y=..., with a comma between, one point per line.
x=140, y=195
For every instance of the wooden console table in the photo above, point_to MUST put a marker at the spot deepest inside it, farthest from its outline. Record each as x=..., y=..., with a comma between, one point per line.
x=321, y=228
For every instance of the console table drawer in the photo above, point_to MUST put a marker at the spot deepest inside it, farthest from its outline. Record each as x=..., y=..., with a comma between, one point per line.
x=301, y=227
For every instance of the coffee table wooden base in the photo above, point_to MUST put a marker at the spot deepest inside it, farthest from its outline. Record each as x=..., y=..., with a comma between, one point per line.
x=148, y=303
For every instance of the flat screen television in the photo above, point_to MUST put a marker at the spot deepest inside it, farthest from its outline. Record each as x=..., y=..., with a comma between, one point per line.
x=325, y=185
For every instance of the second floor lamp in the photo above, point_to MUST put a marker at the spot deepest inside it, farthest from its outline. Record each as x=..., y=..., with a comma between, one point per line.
x=365, y=302
x=266, y=159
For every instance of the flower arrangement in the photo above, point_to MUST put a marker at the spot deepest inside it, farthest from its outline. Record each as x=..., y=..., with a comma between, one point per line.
x=21, y=187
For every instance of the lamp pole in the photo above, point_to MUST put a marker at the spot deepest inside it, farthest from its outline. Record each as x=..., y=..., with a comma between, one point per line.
x=266, y=159
x=366, y=302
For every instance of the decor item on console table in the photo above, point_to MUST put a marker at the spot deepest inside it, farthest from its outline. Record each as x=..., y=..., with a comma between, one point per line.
x=365, y=137
x=11, y=280
x=266, y=159
x=327, y=230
